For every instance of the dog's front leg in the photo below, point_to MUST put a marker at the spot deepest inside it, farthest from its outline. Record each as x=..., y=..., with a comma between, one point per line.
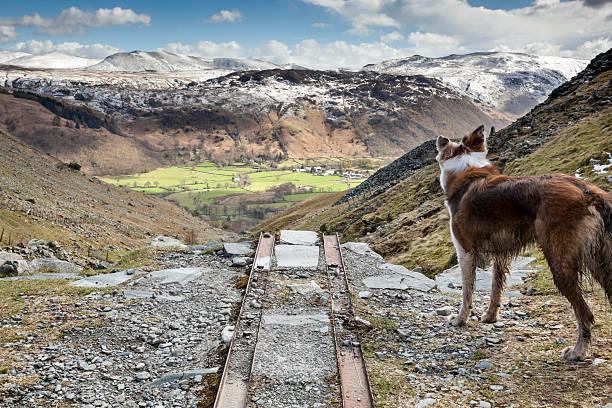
x=468, y=274
x=500, y=271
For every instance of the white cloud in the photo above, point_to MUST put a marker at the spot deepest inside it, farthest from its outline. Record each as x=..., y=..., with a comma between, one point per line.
x=435, y=44
x=71, y=48
x=7, y=34
x=392, y=37
x=74, y=21
x=309, y=53
x=208, y=49
x=321, y=25
x=560, y=28
x=225, y=15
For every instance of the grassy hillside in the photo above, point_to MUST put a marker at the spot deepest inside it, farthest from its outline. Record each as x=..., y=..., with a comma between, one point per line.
x=408, y=222
x=40, y=197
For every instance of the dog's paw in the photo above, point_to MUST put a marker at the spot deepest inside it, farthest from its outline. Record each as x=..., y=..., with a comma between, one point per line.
x=570, y=354
x=488, y=318
x=456, y=320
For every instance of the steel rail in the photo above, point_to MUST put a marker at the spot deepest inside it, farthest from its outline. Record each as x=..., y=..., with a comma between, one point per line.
x=355, y=385
x=234, y=395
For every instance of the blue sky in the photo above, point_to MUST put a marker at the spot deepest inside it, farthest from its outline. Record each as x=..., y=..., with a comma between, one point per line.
x=317, y=33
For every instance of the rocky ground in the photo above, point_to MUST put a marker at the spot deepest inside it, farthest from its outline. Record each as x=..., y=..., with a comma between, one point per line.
x=156, y=339
x=415, y=358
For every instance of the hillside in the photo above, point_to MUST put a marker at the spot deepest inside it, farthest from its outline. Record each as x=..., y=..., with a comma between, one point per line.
x=508, y=82
x=571, y=132
x=173, y=118
x=163, y=61
x=41, y=197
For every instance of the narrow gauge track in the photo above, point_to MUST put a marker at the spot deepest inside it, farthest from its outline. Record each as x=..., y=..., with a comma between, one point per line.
x=354, y=380
x=234, y=385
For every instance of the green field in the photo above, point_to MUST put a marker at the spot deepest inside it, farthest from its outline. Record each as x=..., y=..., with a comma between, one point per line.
x=247, y=191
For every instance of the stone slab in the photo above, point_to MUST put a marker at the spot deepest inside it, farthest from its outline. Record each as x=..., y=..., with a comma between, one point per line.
x=361, y=248
x=450, y=280
x=104, y=280
x=400, y=278
x=52, y=264
x=238, y=248
x=305, y=288
x=9, y=256
x=296, y=320
x=167, y=242
x=293, y=237
x=149, y=294
x=176, y=275
x=170, y=377
x=43, y=276
x=296, y=256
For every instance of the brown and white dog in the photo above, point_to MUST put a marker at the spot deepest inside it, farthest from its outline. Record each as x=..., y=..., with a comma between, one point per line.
x=496, y=216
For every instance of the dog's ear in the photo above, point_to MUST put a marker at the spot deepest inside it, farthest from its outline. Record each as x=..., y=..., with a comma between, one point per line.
x=442, y=143
x=476, y=140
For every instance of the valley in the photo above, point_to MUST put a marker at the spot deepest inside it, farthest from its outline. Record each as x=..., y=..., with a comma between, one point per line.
x=238, y=196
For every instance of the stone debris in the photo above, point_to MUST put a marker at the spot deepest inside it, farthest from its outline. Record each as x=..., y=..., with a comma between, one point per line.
x=361, y=248
x=400, y=279
x=296, y=256
x=293, y=237
x=167, y=242
x=450, y=280
x=227, y=334
x=238, y=248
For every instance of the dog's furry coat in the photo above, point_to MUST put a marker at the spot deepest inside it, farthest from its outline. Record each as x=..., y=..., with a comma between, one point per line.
x=496, y=216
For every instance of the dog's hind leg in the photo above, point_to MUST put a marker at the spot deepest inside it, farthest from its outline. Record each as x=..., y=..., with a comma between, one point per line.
x=500, y=271
x=565, y=270
x=467, y=264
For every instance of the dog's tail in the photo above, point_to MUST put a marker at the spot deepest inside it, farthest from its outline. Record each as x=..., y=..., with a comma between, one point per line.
x=603, y=204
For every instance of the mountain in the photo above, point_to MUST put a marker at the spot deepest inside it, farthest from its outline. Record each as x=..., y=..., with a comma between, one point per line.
x=163, y=61
x=270, y=114
x=11, y=55
x=54, y=60
x=512, y=83
x=44, y=198
x=400, y=210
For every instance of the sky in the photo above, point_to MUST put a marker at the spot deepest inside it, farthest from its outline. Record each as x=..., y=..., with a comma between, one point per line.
x=320, y=34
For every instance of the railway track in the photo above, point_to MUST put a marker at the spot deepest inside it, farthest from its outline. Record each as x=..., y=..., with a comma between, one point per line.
x=239, y=386
x=354, y=381
x=234, y=385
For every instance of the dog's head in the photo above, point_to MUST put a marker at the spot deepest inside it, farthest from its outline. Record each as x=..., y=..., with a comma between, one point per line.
x=455, y=157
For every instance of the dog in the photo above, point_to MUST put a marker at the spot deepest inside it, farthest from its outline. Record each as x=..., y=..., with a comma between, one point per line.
x=494, y=216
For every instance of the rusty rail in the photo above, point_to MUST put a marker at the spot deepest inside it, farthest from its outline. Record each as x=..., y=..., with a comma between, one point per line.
x=354, y=381
x=234, y=386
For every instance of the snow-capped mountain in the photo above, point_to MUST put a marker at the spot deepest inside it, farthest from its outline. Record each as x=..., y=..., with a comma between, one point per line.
x=54, y=60
x=163, y=61
x=509, y=82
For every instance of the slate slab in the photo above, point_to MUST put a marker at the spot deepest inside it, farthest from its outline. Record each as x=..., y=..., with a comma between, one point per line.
x=450, y=280
x=296, y=256
x=9, y=256
x=238, y=248
x=293, y=237
x=305, y=288
x=43, y=276
x=104, y=280
x=400, y=278
x=176, y=275
x=361, y=248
